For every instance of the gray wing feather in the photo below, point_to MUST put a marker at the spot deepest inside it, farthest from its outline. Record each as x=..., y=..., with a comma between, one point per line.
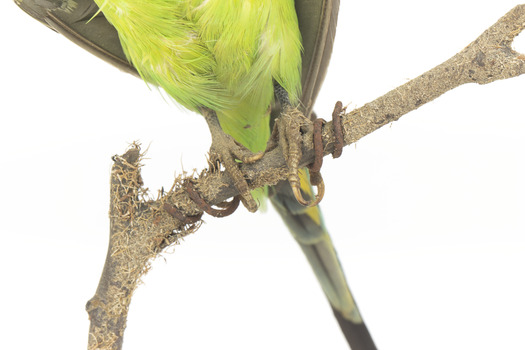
x=79, y=21
x=317, y=22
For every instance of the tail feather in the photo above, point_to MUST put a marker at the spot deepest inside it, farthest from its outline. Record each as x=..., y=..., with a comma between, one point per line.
x=356, y=334
x=307, y=228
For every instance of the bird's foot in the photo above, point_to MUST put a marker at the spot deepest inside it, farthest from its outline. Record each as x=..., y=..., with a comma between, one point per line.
x=227, y=152
x=288, y=133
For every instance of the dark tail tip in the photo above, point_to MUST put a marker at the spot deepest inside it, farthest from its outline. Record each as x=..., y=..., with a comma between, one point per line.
x=356, y=334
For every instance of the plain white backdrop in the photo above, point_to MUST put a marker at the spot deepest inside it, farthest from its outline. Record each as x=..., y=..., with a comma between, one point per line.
x=427, y=214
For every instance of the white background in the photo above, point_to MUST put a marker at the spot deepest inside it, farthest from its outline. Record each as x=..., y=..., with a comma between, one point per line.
x=427, y=213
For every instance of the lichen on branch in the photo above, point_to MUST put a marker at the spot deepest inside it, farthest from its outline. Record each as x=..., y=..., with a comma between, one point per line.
x=139, y=230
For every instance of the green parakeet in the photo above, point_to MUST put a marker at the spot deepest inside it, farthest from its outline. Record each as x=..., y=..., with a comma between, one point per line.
x=226, y=56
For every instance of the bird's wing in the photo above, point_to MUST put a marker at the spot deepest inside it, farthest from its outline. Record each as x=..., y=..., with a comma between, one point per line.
x=317, y=23
x=81, y=22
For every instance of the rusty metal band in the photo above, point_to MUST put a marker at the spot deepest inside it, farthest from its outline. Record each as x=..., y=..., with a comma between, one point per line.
x=318, y=146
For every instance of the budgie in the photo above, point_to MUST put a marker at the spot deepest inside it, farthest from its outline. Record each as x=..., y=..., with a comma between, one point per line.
x=224, y=59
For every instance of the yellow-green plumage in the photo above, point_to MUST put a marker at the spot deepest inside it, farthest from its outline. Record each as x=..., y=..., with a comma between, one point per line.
x=220, y=54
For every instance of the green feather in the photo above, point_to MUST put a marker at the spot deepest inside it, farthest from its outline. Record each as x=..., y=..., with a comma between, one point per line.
x=220, y=54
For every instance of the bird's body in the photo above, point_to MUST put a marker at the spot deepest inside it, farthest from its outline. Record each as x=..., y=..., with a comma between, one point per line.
x=220, y=54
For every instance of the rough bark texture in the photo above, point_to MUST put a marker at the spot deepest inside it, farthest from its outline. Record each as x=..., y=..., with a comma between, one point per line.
x=141, y=228
x=138, y=231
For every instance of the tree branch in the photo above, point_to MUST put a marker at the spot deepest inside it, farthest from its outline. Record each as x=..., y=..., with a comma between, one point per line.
x=141, y=228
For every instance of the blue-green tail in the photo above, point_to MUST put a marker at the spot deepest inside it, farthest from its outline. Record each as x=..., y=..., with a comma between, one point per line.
x=307, y=228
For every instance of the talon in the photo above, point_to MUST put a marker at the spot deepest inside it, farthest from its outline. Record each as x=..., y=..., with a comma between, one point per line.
x=177, y=214
x=229, y=207
x=316, y=180
x=253, y=158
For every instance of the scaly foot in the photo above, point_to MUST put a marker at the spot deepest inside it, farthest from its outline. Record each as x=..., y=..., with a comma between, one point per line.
x=288, y=127
x=226, y=151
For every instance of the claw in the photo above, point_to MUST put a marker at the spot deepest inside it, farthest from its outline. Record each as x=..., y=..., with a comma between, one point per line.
x=228, y=208
x=316, y=180
x=253, y=158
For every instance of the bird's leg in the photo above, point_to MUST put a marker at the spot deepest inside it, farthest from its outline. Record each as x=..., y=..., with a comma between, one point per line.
x=287, y=131
x=226, y=151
